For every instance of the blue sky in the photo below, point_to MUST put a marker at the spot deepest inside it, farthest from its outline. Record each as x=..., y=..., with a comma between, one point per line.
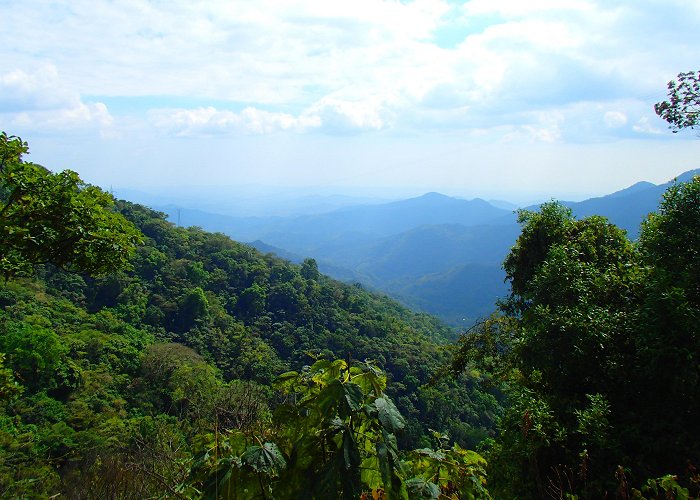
x=495, y=98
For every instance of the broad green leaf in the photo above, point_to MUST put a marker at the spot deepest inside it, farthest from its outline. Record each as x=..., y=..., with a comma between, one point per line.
x=389, y=468
x=267, y=459
x=392, y=446
x=384, y=460
x=370, y=381
x=370, y=474
x=353, y=396
x=350, y=474
x=330, y=398
x=286, y=382
x=418, y=487
x=389, y=415
x=345, y=399
x=469, y=457
x=336, y=368
x=351, y=454
x=324, y=372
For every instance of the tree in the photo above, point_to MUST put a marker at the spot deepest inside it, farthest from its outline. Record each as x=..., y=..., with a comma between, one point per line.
x=598, y=352
x=9, y=387
x=309, y=270
x=566, y=341
x=38, y=358
x=670, y=239
x=541, y=230
x=667, y=334
x=682, y=110
x=57, y=219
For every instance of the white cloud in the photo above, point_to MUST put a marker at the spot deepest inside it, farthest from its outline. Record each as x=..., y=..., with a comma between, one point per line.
x=332, y=82
x=614, y=119
x=330, y=114
x=210, y=121
x=339, y=114
x=293, y=55
x=40, y=101
x=40, y=89
x=644, y=126
x=544, y=127
x=518, y=8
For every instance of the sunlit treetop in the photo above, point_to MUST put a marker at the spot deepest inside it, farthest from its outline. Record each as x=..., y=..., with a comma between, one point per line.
x=57, y=219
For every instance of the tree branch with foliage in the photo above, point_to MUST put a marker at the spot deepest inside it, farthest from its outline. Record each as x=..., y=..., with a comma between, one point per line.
x=56, y=218
x=682, y=110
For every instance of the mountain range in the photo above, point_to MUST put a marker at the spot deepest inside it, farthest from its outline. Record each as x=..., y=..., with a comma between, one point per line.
x=435, y=253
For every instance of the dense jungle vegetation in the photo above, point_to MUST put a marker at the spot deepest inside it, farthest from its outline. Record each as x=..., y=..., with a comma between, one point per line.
x=598, y=350
x=136, y=353
x=143, y=360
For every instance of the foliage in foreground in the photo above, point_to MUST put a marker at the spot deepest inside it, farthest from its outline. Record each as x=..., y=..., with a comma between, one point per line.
x=334, y=437
x=598, y=348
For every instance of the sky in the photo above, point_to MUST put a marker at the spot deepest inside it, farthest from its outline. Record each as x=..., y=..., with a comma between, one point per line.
x=505, y=99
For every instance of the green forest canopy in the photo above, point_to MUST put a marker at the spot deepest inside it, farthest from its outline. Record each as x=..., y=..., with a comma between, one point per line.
x=57, y=219
x=175, y=362
x=121, y=379
x=598, y=349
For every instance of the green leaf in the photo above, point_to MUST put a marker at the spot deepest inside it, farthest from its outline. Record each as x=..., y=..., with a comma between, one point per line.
x=267, y=459
x=343, y=399
x=330, y=397
x=350, y=474
x=370, y=474
x=389, y=467
x=435, y=455
x=418, y=487
x=325, y=372
x=385, y=465
x=353, y=396
x=286, y=382
x=370, y=380
x=389, y=415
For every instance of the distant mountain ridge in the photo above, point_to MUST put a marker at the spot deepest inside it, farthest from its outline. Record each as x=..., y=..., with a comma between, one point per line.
x=440, y=254
x=628, y=207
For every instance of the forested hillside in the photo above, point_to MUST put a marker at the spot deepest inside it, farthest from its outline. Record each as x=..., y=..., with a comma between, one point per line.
x=139, y=360
x=433, y=253
x=598, y=350
x=113, y=384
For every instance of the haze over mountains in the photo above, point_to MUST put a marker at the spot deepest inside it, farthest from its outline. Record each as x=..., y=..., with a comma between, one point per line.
x=435, y=253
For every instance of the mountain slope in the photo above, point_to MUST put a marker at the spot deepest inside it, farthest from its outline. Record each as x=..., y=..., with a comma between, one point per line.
x=119, y=382
x=629, y=207
x=458, y=296
x=412, y=248
x=372, y=220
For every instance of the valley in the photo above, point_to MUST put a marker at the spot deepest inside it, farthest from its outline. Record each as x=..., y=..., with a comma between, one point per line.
x=434, y=253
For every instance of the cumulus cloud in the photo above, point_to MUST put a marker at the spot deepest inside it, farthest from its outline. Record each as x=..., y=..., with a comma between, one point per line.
x=210, y=121
x=329, y=115
x=39, y=100
x=341, y=115
x=303, y=66
x=38, y=90
x=544, y=127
